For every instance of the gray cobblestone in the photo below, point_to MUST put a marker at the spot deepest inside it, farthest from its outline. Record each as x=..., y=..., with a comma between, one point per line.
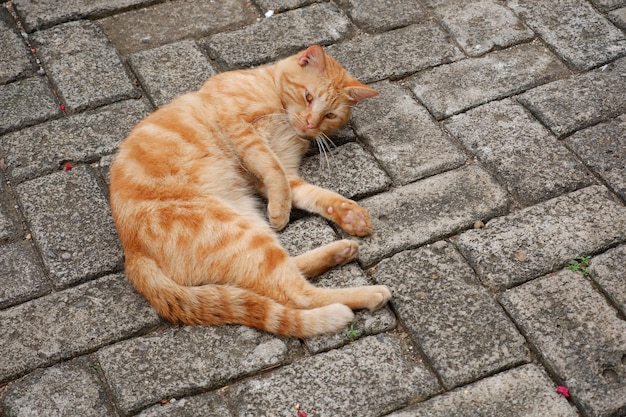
x=607, y=270
x=369, y=378
x=396, y=53
x=26, y=102
x=72, y=225
x=522, y=392
x=306, y=234
x=206, y=405
x=83, y=137
x=579, y=335
x=508, y=139
x=69, y=389
x=404, y=138
x=15, y=60
x=348, y=170
x=603, y=148
x=280, y=35
x=21, y=274
x=144, y=370
x=9, y=220
x=161, y=74
x=282, y=5
x=618, y=17
x=580, y=101
x=430, y=209
x=539, y=239
x=580, y=35
x=479, y=26
x=377, y=16
x=456, y=322
x=167, y=22
x=452, y=88
x=80, y=60
x=60, y=325
x=608, y=4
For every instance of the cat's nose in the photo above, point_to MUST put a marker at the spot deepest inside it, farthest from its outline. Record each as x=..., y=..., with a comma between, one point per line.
x=311, y=122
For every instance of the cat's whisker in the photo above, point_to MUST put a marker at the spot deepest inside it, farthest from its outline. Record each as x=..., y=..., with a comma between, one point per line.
x=324, y=142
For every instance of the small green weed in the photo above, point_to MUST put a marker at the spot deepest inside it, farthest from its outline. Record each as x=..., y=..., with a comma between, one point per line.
x=352, y=333
x=580, y=264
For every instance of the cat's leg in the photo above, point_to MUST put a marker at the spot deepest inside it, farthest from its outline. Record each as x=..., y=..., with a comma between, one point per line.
x=320, y=260
x=351, y=217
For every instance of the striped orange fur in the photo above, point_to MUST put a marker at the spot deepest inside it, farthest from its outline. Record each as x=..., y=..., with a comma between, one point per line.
x=183, y=196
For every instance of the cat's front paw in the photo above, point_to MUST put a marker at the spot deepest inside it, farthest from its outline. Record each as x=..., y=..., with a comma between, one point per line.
x=351, y=217
x=278, y=214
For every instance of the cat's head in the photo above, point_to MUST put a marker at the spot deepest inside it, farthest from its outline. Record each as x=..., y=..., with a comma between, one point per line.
x=318, y=93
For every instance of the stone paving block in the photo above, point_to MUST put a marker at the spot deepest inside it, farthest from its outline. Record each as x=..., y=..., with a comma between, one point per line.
x=403, y=135
x=521, y=392
x=348, y=170
x=212, y=404
x=380, y=16
x=579, y=336
x=71, y=223
x=68, y=323
x=144, y=370
x=539, y=239
x=365, y=322
x=452, y=88
x=618, y=17
x=66, y=390
x=280, y=35
x=580, y=101
x=15, y=59
x=26, y=102
x=603, y=148
x=9, y=219
x=170, y=70
x=104, y=167
x=607, y=270
x=282, y=5
x=306, y=234
x=479, y=26
x=396, y=53
x=457, y=323
x=367, y=378
x=428, y=210
x=608, y=4
x=83, y=65
x=83, y=137
x=508, y=140
x=167, y=22
x=574, y=30
x=21, y=274
x=45, y=13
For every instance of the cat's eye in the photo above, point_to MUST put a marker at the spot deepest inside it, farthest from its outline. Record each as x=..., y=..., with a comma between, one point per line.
x=308, y=97
x=331, y=116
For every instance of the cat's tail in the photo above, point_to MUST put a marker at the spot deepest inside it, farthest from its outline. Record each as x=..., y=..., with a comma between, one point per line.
x=224, y=304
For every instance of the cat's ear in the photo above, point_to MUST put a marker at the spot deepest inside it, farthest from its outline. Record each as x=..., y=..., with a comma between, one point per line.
x=313, y=57
x=358, y=91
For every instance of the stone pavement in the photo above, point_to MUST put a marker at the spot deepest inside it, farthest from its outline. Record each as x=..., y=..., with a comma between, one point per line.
x=493, y=163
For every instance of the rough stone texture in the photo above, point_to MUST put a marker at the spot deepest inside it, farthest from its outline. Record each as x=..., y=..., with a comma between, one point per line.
x=67, y=323
x=170, y=70
x=370, y=377
x=205, y=405
x=458, y=325
x=607, y=270
x=80, y=60
x=618, y=17
x=396, y=53
x=72, y=225
x=280, y=35
x=83, y=137
x=578, y=33
x=282, y=5
x=403, y=136
x=432, y=208
x=306, y=234
x=534, y=241
x=479, y=26
x=348, y=170
x=580, y=101
x=167, y=22
x=26, y=102
x=522, y=392
x=67, y=390
x=507, y=139
x=608, y=4
x=603, y=148
x=9, y=219
x=452, y=88
x=15, y=60
x=144, y=370
x=44, y=13
x=365, y=322
x=378, y=16
x=579, y=336
x=21, y=274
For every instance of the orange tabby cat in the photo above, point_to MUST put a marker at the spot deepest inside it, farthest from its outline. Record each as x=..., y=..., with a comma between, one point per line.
x=183, y=188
